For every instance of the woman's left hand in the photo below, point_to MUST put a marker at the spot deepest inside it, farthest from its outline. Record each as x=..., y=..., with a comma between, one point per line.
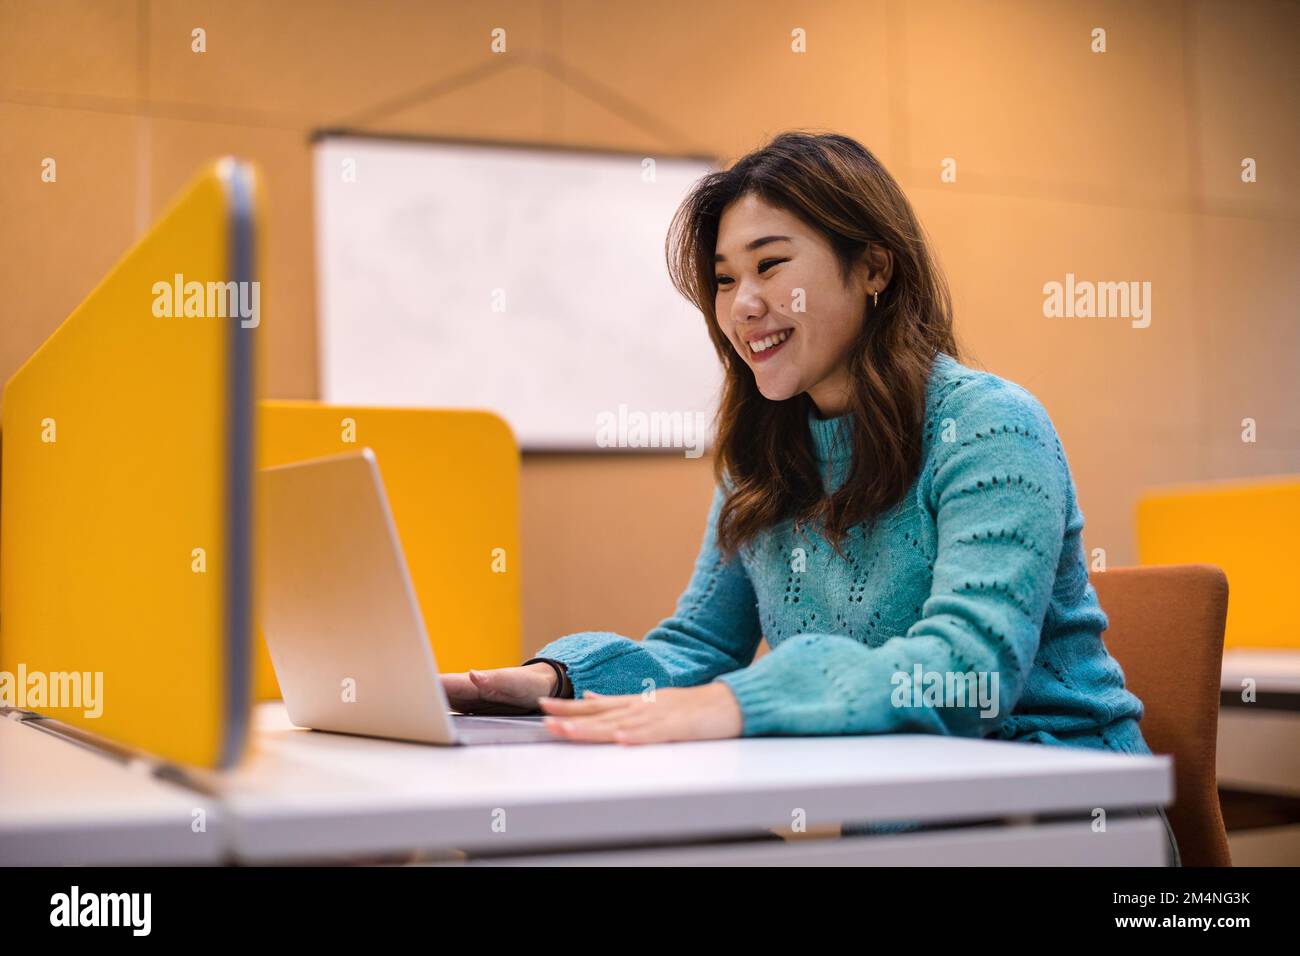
x=705, y=712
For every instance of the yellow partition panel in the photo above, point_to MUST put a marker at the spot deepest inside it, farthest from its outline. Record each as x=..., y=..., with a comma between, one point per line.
x=1246, y=528
x=452, y=479
x=125, y=526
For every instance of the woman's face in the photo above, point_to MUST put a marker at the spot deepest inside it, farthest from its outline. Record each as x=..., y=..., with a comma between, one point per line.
x=779, y=285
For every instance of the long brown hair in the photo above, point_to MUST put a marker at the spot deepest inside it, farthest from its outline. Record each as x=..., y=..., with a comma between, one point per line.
x=837, y=187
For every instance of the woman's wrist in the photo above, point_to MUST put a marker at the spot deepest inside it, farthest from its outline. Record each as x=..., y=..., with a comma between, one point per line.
x=558, y=673
x=546, y=678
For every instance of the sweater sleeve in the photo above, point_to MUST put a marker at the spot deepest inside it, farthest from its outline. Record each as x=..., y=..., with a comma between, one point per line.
x=999, y=492
x=713, y=630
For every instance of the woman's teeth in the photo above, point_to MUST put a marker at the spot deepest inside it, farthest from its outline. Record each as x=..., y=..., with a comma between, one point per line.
x=762, y=345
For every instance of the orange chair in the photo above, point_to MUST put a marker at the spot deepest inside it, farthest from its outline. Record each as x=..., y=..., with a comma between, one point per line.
x=1166, y=631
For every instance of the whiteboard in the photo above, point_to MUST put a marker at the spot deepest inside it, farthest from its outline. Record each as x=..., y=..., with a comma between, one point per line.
x=528, y=281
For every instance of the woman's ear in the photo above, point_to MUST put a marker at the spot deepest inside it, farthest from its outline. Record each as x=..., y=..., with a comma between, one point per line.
x=879, y=262
x=874, y=268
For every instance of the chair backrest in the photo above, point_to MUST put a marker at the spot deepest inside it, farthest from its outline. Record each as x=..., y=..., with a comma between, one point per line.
x=1166, y=632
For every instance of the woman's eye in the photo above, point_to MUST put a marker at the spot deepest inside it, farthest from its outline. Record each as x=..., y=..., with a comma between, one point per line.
x=762, y=267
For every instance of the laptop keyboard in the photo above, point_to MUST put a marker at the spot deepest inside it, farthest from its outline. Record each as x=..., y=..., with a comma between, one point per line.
x=524, y=729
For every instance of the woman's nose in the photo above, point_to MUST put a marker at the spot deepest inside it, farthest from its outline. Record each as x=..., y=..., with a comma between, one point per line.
x=747, y=306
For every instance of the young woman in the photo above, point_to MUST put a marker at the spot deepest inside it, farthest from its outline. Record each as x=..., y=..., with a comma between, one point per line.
x=901, y=528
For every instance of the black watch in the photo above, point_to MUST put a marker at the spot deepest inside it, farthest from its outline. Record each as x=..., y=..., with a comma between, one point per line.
x=563, y=686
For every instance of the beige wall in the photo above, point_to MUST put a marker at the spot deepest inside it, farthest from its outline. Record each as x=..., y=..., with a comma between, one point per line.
x=1114, y=166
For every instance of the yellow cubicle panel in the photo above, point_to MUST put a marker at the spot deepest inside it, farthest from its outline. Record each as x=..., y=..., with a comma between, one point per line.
x=1246, y=528
x=452, y=479
x=127, y=466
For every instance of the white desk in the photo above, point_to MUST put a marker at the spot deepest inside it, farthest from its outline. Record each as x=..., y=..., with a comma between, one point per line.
x=62, y=803
x=302, y=795
x=1275, y=671
x=1126, y=842
x=1259, y=743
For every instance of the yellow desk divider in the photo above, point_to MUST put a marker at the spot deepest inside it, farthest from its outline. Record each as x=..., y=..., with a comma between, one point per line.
x=452, y=480
x=125, y=521
x=1247, y=528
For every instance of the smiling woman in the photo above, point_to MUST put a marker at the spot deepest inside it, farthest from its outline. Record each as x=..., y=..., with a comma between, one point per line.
x=811, y=237
x=901, y=528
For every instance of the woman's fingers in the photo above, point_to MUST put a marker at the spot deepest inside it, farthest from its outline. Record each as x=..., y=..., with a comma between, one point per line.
x=460, y=690
x=643, y=732
x=602, y=727
x=486, y=692
x=587, y=705
x=500, y=685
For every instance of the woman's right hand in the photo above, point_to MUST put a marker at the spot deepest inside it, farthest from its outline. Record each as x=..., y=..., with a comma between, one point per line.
x=501, y=690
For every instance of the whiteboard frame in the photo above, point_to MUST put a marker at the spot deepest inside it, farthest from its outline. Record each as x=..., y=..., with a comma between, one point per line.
x=319, y=136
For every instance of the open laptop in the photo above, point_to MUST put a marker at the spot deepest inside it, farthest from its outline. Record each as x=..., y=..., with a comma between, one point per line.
x=340, y=614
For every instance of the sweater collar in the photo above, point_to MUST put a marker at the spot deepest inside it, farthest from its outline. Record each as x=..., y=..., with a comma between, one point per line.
x=832, y=438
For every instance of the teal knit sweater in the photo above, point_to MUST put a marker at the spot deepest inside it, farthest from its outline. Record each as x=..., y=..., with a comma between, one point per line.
x=966, y=611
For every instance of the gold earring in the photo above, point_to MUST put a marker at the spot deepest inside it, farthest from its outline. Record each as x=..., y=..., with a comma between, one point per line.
x=875, y=299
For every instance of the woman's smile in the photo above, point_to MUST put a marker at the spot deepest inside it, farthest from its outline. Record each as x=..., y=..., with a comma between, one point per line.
x=763, y=346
